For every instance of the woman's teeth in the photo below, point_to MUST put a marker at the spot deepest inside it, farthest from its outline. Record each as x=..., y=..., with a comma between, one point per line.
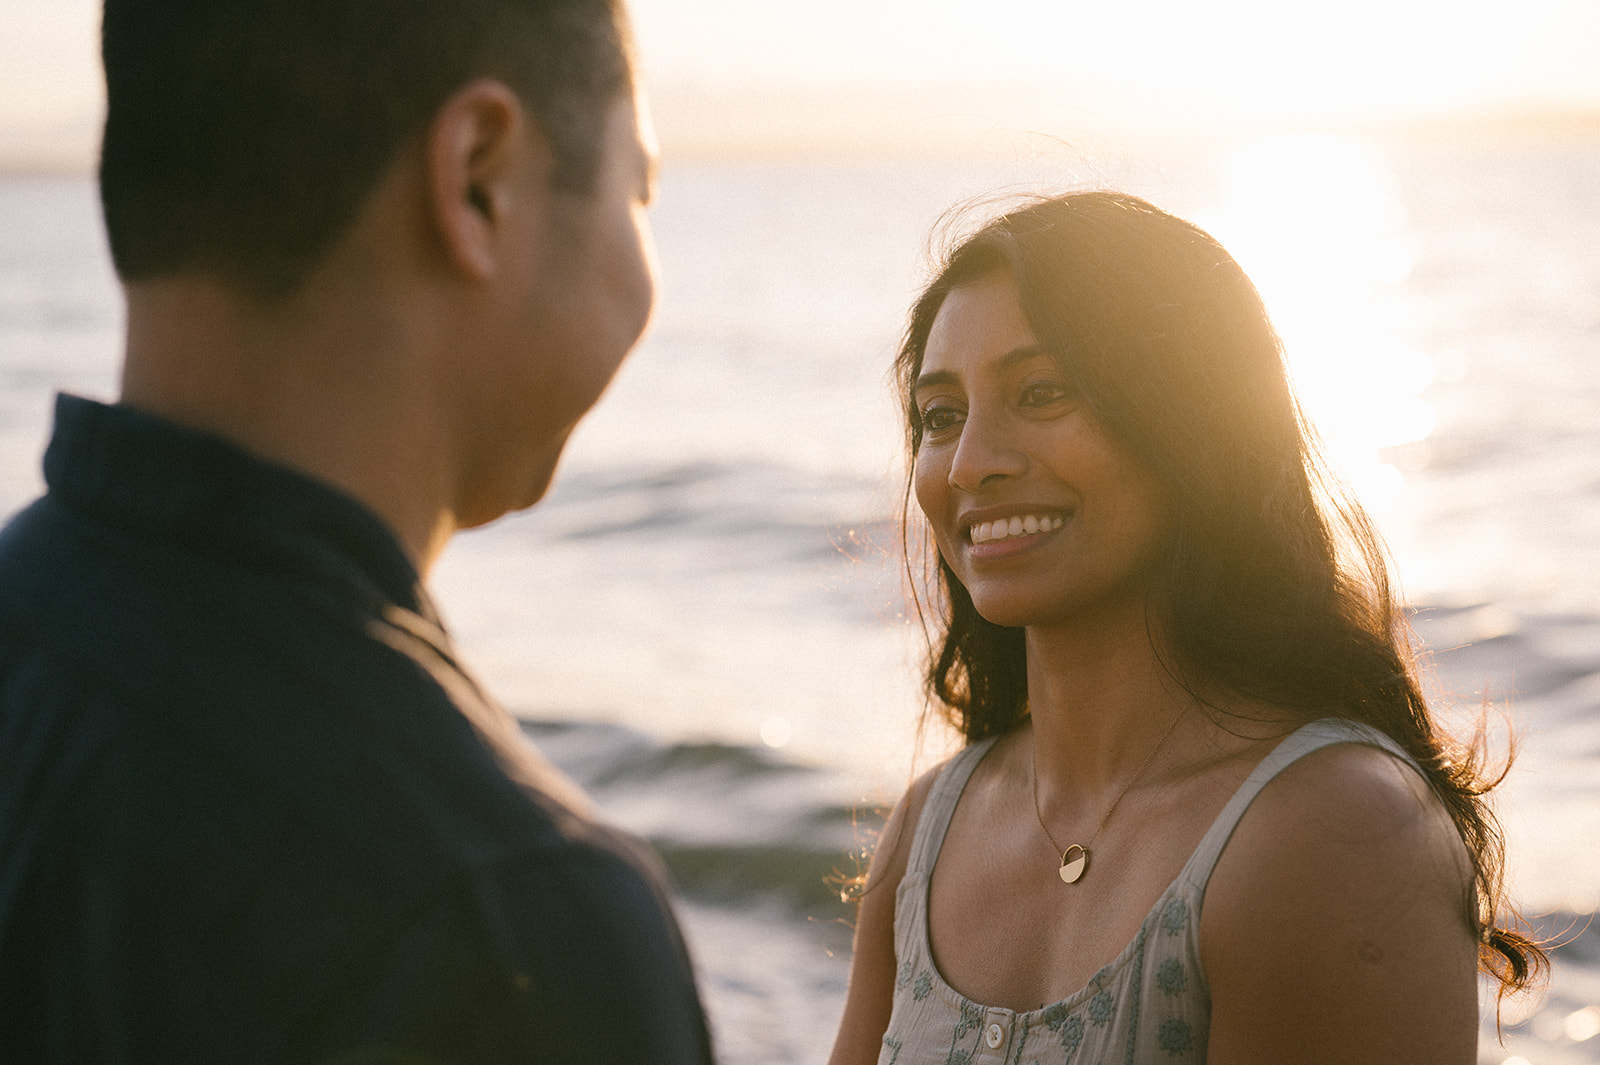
x=988, y=531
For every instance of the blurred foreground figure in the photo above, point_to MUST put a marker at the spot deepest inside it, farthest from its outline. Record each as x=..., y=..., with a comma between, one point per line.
x=380, y=258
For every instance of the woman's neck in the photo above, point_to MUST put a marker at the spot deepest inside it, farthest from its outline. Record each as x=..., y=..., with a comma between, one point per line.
x=1100, y=698
x=1107, y=705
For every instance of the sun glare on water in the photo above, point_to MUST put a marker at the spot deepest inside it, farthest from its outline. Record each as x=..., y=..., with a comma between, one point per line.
x=1317, y=223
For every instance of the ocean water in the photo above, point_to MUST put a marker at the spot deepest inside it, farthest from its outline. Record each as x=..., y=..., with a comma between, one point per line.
x=704, y=622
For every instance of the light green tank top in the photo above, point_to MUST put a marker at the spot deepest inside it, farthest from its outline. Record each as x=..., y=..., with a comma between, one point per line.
x=1150, y=1004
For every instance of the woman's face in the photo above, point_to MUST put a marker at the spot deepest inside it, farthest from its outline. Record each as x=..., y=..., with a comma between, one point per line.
x=1039, y=513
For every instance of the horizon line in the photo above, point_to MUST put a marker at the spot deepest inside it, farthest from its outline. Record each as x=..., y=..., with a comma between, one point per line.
x=802, y=126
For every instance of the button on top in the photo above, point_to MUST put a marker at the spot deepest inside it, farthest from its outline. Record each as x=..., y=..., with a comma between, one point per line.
x=994, y=1035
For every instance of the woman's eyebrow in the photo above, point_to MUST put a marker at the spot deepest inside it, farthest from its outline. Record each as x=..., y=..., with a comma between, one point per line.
x=1003, y=364
x=935, y=377
x=1010, y=359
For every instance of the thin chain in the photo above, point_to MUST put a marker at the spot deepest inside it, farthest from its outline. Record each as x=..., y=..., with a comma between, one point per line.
x=1137, y=773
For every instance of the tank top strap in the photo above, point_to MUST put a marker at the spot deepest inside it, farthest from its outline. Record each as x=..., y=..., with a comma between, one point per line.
x=1314, y=736
x=940, y=806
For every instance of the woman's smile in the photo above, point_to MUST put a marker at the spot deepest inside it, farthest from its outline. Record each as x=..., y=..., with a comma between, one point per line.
x=1010, y=529
x=997, y=539
x=1037, y=511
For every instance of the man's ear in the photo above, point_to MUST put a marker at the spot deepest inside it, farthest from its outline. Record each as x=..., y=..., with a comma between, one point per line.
x=484, y=156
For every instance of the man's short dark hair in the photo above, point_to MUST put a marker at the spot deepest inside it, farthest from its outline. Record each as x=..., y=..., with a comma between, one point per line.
x=242, y=137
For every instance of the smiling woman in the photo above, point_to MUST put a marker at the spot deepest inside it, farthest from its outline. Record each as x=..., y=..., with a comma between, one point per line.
x=996, y=407
x=1205, y=813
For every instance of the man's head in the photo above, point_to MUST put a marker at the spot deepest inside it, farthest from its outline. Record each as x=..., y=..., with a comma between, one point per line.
x=242, y=138
x=397, y=244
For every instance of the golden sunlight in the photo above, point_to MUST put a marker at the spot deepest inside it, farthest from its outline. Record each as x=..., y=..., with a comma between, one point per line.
x=1317, y=223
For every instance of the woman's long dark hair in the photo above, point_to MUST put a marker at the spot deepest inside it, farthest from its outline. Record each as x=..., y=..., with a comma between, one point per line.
x=1273, y=581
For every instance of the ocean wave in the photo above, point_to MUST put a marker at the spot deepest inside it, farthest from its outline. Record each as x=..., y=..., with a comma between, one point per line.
x=785, y=510
x=735, y=824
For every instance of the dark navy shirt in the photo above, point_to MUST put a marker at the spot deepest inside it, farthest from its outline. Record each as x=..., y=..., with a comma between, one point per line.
x=252, y=809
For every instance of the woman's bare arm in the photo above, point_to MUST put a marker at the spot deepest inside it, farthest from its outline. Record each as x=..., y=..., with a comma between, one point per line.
x=872, y=962
x=1335, y=928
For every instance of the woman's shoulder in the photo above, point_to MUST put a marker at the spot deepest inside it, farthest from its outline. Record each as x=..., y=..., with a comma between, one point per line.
x=1347, y=790
x=1344, y=893
x=891, y=857
x=874, y=962
x=1349, y=808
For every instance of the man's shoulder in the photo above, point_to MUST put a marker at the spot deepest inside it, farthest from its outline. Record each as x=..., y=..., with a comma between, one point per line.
x=40, y=554
x=264, y=788
x=111, y=617
x=196, y=706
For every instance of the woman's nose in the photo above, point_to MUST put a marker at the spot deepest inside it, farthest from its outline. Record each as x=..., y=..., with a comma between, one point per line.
x=985, y=456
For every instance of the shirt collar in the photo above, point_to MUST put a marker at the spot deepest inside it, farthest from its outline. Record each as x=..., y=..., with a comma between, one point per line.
x=166, y=482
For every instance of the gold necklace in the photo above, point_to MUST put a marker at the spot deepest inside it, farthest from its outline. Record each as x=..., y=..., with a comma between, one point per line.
x=1073, y=866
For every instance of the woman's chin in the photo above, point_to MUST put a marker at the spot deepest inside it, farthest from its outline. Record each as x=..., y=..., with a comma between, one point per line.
x=1009, y=613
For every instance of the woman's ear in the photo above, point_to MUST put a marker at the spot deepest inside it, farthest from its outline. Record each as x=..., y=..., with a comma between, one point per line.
x=484, y=154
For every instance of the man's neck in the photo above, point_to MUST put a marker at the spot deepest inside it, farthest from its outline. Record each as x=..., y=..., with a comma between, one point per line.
x=322, y=383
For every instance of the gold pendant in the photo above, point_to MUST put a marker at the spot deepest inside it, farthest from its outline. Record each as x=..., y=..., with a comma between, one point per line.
x=1072, y=868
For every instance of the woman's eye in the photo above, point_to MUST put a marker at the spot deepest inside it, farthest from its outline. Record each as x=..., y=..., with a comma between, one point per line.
x=1042, y=393
x=936, y=418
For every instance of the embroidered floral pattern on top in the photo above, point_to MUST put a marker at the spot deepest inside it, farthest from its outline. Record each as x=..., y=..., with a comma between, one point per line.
x=1171, y=977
